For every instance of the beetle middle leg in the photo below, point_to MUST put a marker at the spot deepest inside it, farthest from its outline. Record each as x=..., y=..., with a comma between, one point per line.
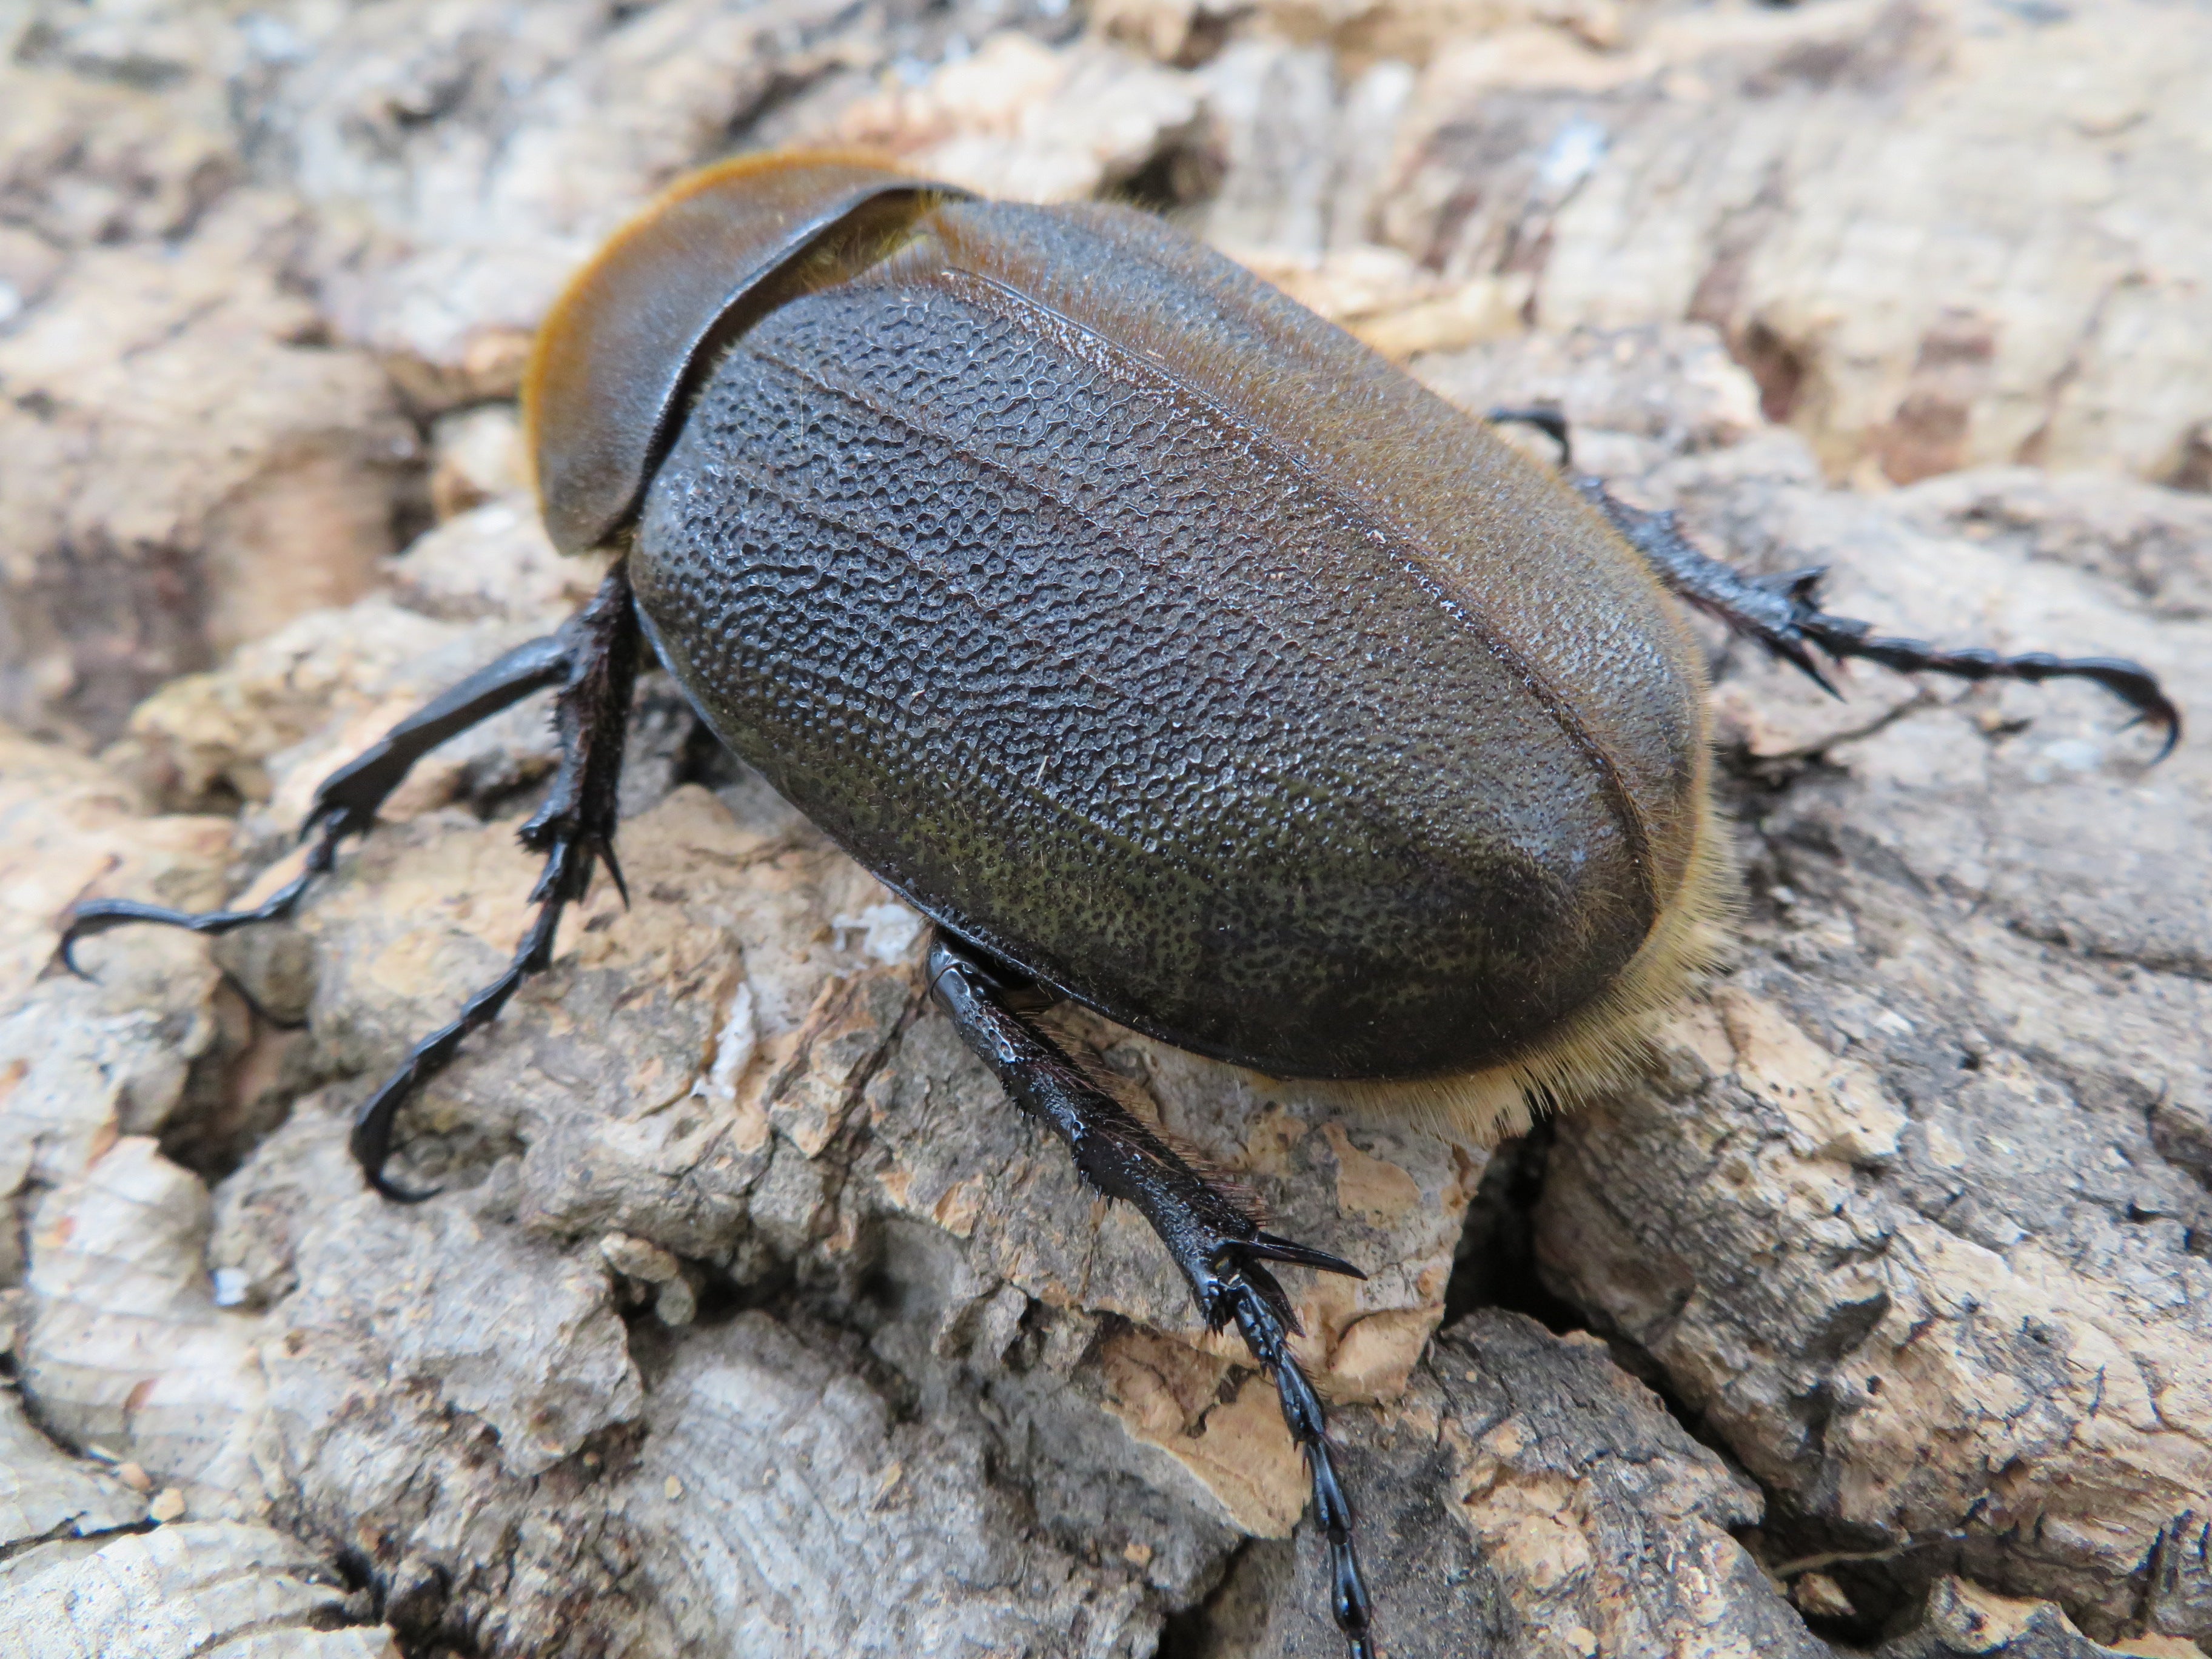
x=592, y=659
x=1782, y=613
x=1219, y=1248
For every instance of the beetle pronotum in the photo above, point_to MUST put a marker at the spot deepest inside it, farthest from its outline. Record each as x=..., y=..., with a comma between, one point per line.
x=1169, y=649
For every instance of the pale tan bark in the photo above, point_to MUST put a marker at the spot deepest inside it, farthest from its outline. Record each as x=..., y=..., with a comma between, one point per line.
x=752, y=1318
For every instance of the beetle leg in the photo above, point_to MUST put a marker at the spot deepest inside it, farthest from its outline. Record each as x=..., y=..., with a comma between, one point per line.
x=575, y=829
x=1783, y=613
x=346, y=802
x=1219, y=1248
x=592, y=658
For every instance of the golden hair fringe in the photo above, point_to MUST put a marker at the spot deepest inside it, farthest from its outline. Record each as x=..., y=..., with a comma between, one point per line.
x=1603, y=1046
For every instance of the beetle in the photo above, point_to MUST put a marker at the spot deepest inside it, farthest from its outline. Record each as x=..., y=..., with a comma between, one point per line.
x=1169, y=650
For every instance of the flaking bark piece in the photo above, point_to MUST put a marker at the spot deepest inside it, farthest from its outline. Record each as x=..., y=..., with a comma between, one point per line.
x=44, y=1493
x=1524, y=1497
x=1962, y=1621
x=793, y=1511
x=127, y=1350
x=483, y=1319
x=201, y=1590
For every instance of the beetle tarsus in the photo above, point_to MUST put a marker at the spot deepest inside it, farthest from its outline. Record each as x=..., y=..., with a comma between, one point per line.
x=346, y=802
x=1349, y=1602
x=98, y=916
x=567, y=874
x=1783, y=613
x=1218, y=1246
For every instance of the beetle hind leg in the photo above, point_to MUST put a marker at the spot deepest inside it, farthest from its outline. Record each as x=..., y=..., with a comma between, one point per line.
x=1222, y=1251
x=1782, y=613
x=592, y=658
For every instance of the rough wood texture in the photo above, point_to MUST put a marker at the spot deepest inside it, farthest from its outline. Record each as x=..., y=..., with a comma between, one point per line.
x=752, y=1319
x=1530, y=1497
x=1913, y=1213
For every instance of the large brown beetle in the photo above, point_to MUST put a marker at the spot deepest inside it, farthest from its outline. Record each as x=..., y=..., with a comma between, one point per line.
x=1169, y=649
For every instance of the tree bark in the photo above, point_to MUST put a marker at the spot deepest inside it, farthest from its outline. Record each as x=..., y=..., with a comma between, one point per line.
x=751, y=1317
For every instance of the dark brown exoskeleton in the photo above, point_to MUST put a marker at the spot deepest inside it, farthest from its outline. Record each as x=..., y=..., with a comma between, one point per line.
x=1169, y=649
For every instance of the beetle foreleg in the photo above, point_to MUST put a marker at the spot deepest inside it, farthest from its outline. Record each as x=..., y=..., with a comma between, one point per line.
x=1219, y=1248
x=573, y=828
x=346, y=802
x=592, y=658
x=1783, y=615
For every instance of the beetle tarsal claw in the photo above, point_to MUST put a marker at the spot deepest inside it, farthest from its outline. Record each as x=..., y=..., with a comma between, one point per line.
x=1273, y=1247
x=1551, y=422
x=1790, y=649
x=397, y=1193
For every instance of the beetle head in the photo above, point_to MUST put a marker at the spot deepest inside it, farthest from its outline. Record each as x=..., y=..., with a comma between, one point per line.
x=619, y=354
